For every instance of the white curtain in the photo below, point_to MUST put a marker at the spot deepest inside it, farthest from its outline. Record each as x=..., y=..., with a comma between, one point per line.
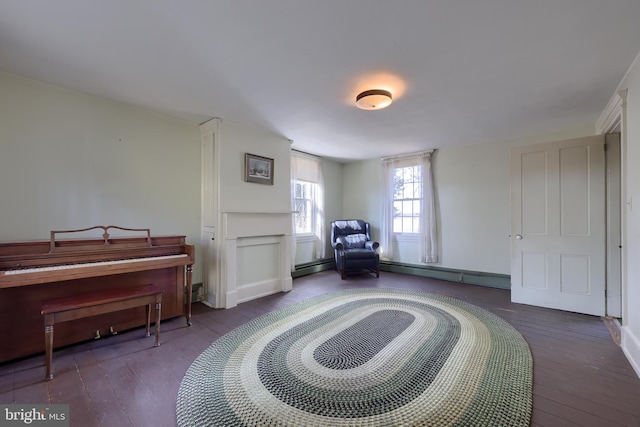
x=294, y=174
x=318, y=200
x=386, y=228
x=427, y=247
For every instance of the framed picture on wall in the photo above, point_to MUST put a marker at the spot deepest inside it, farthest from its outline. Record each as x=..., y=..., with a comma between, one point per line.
x=258, y=169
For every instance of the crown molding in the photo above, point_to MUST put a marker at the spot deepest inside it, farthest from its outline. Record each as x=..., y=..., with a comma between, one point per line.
x=210, y=126
x=612, y=114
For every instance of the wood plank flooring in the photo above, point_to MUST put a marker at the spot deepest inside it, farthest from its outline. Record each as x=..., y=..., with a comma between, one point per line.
x=581, y=377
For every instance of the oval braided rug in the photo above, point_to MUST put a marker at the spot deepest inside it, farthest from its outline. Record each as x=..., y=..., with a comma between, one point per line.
x=370, y=357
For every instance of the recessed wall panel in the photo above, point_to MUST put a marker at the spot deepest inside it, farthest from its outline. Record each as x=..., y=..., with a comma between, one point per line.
x=258, y=262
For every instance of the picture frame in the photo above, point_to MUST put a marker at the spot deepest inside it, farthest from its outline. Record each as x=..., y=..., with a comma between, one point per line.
x=258, y=169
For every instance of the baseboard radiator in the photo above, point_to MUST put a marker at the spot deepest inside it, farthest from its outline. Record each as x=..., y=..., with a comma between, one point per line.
x=313, y=267
x=492, y=280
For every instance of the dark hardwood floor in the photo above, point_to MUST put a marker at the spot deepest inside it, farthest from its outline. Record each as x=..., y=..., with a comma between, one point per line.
x=581, y=377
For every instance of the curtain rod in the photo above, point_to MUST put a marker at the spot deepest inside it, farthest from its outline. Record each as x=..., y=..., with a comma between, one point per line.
x=404, y=156
x=306, y=154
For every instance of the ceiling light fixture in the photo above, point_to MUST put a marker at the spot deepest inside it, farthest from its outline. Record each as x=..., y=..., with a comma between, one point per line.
x=374, y=99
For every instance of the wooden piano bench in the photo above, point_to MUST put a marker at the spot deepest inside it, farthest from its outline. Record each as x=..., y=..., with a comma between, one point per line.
x=107, y=301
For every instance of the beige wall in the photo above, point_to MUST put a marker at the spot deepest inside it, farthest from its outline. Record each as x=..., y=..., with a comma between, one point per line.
x=70, y=160
x=472, y=199
x=236, y=195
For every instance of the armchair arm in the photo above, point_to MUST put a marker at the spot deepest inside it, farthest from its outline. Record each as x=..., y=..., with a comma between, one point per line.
x=339, y=243
x=371, y=245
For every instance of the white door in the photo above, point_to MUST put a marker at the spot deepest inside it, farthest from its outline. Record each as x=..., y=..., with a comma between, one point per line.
x=558, y=225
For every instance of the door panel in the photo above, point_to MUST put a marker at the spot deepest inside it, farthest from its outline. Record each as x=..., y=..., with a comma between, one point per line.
x=534, y=270
x=574, y=191
x=558, y=225
x=574, y=274
x=534, y=200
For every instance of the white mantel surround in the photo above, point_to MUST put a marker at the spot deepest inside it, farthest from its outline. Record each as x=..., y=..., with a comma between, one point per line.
x=256, y=258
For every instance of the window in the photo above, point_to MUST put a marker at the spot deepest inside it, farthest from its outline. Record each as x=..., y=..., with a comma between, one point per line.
x=408, y=206
x=307, y=202
x=407, y=199
x=303, y=206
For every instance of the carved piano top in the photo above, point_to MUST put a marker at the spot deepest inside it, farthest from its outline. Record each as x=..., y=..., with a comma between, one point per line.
x=29, y=263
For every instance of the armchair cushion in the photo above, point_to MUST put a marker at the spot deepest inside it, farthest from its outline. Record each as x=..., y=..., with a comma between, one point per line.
x=359, y=254
x=352, y=241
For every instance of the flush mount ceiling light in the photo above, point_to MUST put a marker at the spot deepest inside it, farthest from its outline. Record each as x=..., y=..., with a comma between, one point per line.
x=374, y=99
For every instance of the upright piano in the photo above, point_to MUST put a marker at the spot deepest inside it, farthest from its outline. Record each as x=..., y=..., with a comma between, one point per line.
x=35, y=271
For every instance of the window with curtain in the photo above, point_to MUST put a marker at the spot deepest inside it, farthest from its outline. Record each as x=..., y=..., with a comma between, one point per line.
x=307, y=199
x=408, y=206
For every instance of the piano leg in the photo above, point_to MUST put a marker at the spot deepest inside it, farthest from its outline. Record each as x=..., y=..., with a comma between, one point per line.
x=48, y=346
x=148, y=307
x=158, y=310
x=189, y=289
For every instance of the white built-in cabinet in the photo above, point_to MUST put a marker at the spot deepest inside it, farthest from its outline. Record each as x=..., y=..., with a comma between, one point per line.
x=247, y=245
x=209, y=133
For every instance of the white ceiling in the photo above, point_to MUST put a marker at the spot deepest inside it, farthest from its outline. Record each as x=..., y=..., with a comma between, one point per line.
x=461, y=71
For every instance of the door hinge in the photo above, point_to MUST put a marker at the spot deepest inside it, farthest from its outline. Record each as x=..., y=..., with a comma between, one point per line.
x=606, y=146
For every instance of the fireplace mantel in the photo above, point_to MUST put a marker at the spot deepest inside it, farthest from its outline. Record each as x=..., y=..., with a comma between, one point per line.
x=257, y=252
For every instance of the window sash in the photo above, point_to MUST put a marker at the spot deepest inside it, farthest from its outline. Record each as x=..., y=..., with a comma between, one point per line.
x=304, y=207
x=407, y=199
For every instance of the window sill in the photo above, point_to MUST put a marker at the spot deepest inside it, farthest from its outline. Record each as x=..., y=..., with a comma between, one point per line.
x=303, y=238
x=406, y=237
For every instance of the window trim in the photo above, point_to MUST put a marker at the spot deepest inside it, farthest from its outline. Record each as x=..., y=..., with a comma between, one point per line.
x=412, y=200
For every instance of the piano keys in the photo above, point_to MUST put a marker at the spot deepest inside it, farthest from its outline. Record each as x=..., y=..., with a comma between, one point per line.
x=31, y=272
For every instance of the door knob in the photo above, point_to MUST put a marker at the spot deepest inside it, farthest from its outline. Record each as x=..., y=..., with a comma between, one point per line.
x=518, y=236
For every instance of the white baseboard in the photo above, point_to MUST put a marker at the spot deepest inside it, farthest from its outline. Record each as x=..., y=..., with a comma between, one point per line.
x=250, y=291
x=630, y=344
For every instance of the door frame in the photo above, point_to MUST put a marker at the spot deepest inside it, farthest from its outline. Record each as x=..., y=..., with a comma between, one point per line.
x=613, y=206
x=613, y=120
